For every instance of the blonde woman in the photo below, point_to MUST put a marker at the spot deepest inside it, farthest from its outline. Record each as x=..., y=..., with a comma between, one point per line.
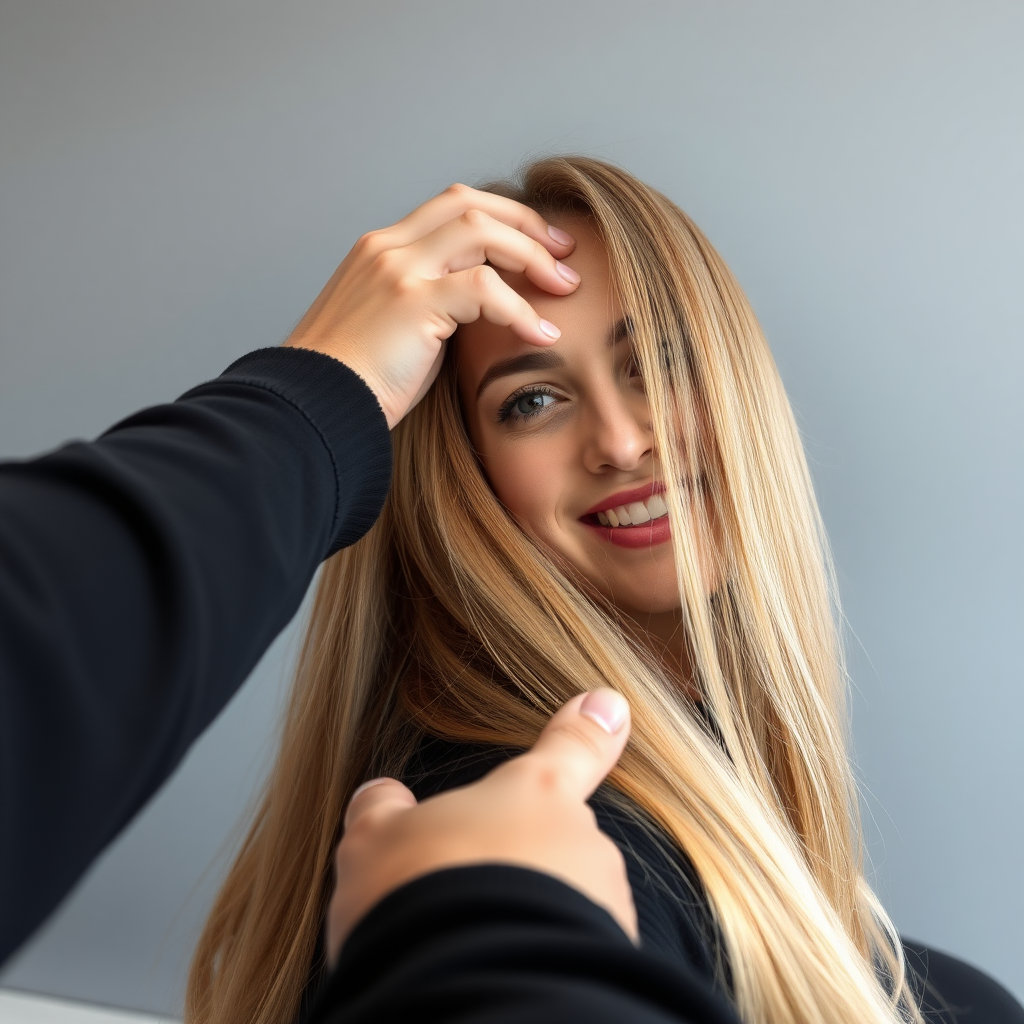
x=629, y=507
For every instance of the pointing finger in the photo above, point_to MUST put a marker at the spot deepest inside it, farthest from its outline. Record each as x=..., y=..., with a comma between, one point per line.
x=584, y=740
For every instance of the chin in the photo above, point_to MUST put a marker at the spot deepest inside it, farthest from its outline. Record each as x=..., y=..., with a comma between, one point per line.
x=647, y=602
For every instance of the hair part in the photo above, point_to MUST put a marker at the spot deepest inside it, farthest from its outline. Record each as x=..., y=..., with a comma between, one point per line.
x=447, y=619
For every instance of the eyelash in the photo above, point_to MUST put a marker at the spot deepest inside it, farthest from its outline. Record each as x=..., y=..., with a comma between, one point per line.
x=505, y=413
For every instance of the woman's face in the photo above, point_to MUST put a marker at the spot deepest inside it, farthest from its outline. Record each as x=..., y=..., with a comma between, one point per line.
x=565, y=438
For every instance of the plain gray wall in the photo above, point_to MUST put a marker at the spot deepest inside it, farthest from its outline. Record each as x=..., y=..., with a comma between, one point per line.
x=179, y=179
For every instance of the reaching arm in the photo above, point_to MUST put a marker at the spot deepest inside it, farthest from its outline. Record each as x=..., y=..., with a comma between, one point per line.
x=141, y=578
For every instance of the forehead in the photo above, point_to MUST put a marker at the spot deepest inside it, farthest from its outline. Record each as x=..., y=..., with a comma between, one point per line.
x=584, y=317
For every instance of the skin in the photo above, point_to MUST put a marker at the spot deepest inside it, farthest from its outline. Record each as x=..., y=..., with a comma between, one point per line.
x=591, y=439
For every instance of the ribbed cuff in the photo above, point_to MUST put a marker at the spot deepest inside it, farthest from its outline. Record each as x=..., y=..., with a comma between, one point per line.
x=346, y=415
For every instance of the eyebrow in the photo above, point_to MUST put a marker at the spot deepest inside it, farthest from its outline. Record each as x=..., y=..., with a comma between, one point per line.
x=545, y=359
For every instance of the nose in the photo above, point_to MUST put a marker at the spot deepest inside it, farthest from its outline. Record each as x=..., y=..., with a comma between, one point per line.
x=618, y=433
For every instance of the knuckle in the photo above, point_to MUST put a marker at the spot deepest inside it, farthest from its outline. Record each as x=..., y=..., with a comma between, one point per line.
x=585, y=738
x=540, y=775
x=541, y=254
x=404, y=286
x=484, y=279
x=388, y=264
x=547, y=778
x=370, y=244
x=476, y=219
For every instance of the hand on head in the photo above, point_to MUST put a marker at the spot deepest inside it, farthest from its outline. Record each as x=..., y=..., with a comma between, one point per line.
x=400, y=293
x=530, y=812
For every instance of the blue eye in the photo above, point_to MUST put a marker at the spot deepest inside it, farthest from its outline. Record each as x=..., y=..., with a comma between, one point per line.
x=525, y=404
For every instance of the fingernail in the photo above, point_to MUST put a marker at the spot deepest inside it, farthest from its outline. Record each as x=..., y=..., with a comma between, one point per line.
x=568, y=273
x=606, y=707
x=367, y=785
x=548, y=328
x=560, y=236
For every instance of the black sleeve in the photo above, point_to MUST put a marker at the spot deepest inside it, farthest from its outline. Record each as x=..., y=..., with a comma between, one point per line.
x=141, y=578
x=503, y=945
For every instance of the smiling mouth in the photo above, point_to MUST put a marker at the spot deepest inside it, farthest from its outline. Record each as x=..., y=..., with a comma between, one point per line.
x=633, y=513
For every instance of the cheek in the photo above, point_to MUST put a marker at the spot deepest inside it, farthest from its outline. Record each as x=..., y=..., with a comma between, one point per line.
x=528, y=483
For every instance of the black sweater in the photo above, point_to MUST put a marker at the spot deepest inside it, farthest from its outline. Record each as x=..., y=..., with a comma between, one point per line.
x=141, y=578
x=502, y=945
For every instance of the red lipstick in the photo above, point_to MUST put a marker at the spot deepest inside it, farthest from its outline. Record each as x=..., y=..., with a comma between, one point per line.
x=625, y=497
x=646, y=535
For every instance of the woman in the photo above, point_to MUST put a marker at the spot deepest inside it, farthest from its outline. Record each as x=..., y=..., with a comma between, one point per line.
x=632, y=508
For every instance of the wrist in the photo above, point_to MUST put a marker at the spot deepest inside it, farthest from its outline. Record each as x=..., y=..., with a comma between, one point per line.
x=360, y=367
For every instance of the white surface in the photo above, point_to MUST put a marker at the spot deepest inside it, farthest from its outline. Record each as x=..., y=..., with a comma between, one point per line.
x=22, y=1008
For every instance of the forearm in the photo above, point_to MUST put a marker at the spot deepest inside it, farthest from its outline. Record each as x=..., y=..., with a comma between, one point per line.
x=142, y=577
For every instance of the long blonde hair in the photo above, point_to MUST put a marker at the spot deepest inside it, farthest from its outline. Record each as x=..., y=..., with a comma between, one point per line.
x=446, y=619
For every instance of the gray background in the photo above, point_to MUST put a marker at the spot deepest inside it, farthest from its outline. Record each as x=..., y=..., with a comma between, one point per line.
x=179, y=179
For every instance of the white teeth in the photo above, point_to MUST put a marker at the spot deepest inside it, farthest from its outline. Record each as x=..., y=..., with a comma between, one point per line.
x=638, y=513
x=656, y=506
x=635, y=513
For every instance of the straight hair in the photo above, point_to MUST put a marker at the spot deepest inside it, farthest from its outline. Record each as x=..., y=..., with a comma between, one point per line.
x=448, y=620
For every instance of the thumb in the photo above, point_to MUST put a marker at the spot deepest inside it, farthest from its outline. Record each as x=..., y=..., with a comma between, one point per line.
x=584, y=739
x=376, y=799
